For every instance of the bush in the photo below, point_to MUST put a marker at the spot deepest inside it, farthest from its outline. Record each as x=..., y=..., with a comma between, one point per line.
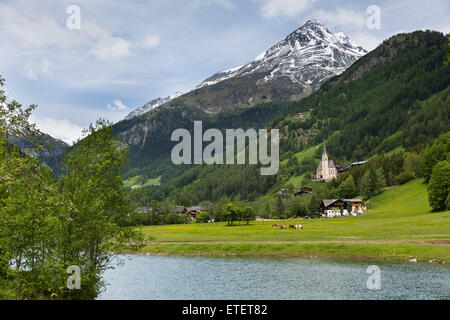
x=347, y=189
x=404, y=177
x=438, y=190
x=202, y=217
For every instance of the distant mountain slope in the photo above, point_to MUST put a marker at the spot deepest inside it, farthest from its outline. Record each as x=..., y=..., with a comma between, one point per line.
x=50, y=146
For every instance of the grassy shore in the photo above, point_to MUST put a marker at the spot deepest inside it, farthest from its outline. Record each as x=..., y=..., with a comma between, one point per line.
x=398, y=226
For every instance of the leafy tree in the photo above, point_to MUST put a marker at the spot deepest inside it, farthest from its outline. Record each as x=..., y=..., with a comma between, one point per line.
x=248, y=214
x=347, y=189
x=298, y=206
x=93, y=189
x=439, y=151
x=280, y=207
x=404, y=177
x=231, y=213
x=439, y=187
x=372, y=182
x=412, y=163
x=202, y=217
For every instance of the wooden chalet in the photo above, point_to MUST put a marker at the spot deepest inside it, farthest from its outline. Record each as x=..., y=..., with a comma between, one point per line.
x=303, y=190
x=338, y=207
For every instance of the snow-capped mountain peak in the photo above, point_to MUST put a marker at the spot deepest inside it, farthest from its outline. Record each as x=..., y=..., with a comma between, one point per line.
x=307, y=56
x=300, y=62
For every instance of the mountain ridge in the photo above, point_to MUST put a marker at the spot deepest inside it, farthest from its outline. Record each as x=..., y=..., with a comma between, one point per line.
x=298, y=64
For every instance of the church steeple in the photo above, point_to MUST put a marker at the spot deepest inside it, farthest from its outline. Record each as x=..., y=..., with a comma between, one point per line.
x=324, y=153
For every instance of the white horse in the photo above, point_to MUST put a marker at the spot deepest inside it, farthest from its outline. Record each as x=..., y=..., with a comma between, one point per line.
x=299, y=227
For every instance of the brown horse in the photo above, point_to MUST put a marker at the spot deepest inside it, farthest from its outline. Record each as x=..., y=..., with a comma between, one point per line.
x=275, y=225
x=283, y=227
x=292, y=227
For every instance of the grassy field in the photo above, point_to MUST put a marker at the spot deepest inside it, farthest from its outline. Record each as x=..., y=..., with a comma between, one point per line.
x=134, y=181
x=399, y=225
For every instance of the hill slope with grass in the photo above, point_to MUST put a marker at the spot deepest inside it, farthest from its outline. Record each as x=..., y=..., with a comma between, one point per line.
x=398, y=226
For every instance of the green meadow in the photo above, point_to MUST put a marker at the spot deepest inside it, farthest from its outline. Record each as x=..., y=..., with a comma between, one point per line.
x=398, y=226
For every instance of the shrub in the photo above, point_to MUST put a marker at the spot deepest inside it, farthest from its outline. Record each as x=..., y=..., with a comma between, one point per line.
x=202, y=217
x=438, y=190
x=404, y=177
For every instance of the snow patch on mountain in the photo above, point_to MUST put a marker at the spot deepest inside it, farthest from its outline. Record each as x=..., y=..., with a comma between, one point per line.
x=155, y=103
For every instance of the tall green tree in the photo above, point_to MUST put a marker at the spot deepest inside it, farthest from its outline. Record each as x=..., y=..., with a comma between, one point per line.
x=439, y=187
x=372, y=182
x=280, y=207
x=439, y=151
x=347, y=189
x=248, y=214
x=93, y=189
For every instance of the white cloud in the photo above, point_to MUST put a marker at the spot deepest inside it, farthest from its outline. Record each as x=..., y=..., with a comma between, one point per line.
x=29, y=72
x=118, y=106
x=40, y=30
x=284, y=8
x=34, y=31
x=151, y=41
x=110, y=48
x=32, y=69
x=444, y=29
x=342, y=17
x=62, y=129
x=366, y=39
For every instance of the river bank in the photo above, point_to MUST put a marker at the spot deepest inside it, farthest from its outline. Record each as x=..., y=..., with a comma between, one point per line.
x=439, y=254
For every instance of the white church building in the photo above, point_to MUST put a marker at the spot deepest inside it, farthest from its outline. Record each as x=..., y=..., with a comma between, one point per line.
x=326, y=169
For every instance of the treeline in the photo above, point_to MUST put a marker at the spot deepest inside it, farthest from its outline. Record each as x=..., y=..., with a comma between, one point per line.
x=208, y=182
x=49, y=225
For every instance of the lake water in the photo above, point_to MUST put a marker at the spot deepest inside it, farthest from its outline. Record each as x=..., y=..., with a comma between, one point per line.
x=189, y=278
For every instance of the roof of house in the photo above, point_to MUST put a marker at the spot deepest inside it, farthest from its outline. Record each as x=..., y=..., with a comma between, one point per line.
x=179, y=209
x=195, y=208
x=352, y=200
x=328, y=202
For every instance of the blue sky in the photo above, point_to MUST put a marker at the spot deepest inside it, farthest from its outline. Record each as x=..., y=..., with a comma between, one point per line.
x=129, y=52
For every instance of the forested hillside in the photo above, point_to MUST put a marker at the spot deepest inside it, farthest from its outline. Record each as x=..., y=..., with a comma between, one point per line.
x=394, y=98
x=396, y=95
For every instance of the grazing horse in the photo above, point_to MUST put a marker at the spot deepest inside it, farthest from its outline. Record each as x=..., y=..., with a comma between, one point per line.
x=275, y=225
x=283, y=227
x=299, y=227
x=292, y=227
